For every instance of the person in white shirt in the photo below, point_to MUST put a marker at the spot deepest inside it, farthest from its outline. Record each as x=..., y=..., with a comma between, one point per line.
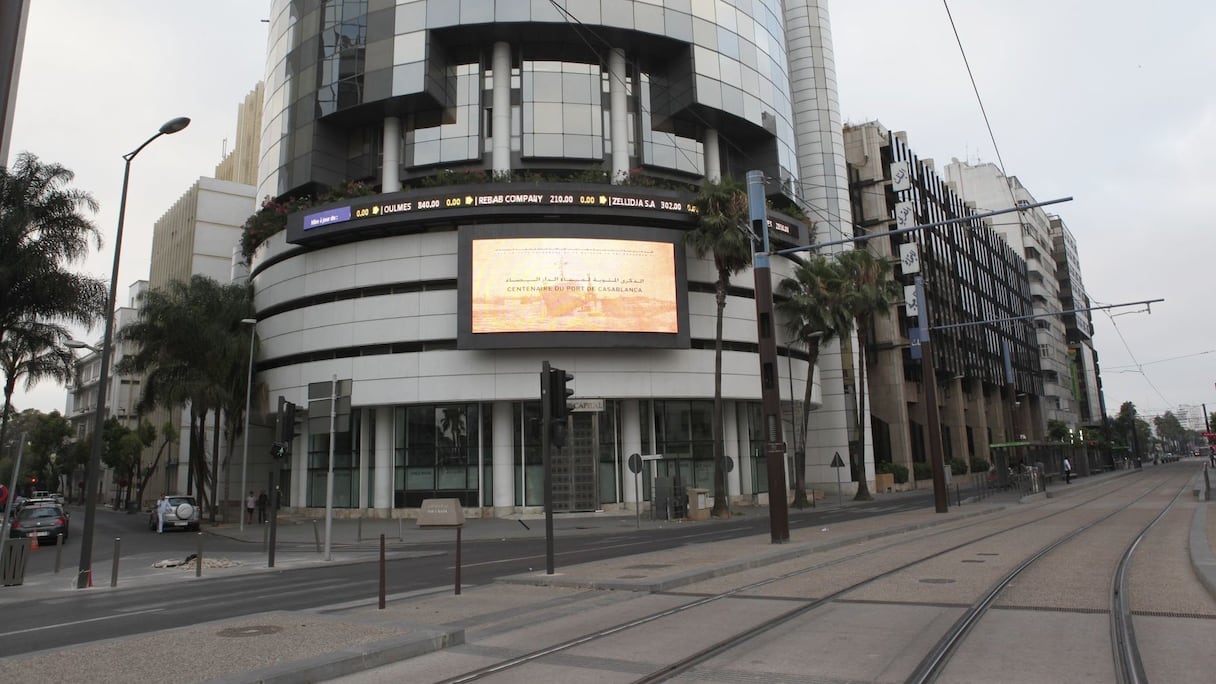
x=1067, y=471
x=251, y=504
x=162, y=507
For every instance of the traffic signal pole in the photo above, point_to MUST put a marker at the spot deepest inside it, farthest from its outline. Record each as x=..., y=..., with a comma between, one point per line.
x=546, y=420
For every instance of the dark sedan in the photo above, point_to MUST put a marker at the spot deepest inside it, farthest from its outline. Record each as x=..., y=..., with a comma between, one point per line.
x=44, y=522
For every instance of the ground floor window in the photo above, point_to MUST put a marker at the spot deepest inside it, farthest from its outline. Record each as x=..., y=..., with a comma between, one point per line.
x=436, y=449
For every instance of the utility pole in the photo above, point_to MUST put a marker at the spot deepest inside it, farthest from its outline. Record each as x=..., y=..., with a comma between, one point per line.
x=770, y=390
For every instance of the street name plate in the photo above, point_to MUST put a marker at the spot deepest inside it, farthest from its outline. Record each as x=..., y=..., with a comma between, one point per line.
x=440, y=513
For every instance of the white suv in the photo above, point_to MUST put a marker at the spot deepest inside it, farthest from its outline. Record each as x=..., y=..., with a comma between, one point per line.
x=183, y=512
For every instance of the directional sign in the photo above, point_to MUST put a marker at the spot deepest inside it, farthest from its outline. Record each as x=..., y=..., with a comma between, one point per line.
x=837, y=462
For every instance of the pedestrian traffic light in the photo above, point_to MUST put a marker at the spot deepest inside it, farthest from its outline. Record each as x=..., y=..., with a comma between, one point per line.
x=279, y=451
x=559, y=393
x=288, y=428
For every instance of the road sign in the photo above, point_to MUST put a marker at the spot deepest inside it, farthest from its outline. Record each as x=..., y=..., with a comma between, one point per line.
x=837, y=462
x=635, y=463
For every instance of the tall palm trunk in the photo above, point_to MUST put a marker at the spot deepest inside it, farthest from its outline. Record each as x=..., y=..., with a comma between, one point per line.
x=863, y=485
x=721, y=507
x=800, y=498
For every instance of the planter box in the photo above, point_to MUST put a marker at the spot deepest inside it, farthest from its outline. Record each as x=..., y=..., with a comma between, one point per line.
x=884, y=482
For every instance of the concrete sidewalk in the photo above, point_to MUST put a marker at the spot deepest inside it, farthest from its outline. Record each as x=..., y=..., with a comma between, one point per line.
x=356, y=636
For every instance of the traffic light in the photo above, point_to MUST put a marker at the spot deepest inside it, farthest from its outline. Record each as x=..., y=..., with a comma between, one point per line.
x=287, y=430
x=559, y=393
x=278, y=451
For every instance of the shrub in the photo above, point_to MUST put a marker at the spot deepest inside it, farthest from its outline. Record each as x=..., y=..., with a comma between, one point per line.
x=958, y=466
x=922, y=471
x=978, y=465
x=900, y=471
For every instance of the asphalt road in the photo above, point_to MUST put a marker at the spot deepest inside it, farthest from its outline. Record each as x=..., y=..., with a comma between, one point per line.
x=75, y=618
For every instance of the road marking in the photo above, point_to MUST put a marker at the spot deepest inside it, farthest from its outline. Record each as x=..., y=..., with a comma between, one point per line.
x=78, y=622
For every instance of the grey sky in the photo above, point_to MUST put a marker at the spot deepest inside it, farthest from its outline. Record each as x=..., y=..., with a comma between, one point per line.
x=1110, y=103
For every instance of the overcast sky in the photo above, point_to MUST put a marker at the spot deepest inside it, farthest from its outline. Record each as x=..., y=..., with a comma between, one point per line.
x=1110, y=103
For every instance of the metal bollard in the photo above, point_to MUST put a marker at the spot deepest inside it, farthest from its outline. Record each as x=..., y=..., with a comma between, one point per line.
x=114, y=571
x=359, y=529
x=58, y=551
x=198, y=558
x=265, y=537
x=400, y=529
x=316, y=536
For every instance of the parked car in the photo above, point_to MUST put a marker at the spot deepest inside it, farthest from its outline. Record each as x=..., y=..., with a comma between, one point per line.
x=183, y=513
x=44, y=521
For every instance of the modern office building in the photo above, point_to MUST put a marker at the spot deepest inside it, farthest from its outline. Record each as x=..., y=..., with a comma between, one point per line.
x=1084, y=377
x=1029, y=233
x=987, y=371
x=534, y=167
x=198, y=235
x=13, y=17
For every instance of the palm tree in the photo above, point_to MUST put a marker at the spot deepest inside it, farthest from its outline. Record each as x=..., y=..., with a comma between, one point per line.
x=42, y=231
x=33, y=351
x=869, y=291
x=191, y=346
x=721, y=231
x=815, y=317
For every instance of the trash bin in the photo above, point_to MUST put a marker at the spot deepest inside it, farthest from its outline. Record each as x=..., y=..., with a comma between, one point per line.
x=698, y=504
x=16, y=553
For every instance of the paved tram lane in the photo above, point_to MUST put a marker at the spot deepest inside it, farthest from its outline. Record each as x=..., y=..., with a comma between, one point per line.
x=429, y=634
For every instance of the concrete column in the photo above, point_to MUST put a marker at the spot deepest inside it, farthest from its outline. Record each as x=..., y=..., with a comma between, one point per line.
x=618, y=115
x=743, y=448
x=501, y=103
x=502, y=458
x=713, y=156
x=385, y=456
x=730, y=440
x=390, y=174
x=631, y=443
x=366, y=460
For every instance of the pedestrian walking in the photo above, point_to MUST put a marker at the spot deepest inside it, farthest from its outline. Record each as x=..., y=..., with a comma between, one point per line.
x=262, y=501
x=162, y=507
x=251, y=503
x=1067, y=471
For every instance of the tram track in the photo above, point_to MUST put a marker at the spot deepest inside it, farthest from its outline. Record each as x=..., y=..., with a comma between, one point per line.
x=687, y=663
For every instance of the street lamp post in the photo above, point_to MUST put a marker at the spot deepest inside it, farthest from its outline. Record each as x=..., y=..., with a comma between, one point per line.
x=90, y=494
x=248, y=401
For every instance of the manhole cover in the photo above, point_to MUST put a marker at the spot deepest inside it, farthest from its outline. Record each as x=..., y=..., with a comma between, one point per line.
x=249, y=631
x=937, y=580
x=648, y=566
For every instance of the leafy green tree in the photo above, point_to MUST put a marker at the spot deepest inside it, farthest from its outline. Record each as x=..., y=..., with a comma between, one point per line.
x=1171, y=431
x=47, y=440
x=193, y=350
x=867, y=290
x=1057, y=431
x=814, y=316
x=721, y=231
x=168, y=436
x=122, y=448
x=42, y=231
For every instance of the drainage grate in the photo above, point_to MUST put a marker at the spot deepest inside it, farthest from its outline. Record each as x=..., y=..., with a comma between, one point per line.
x=937, y=580
x=250, y=631
x=972, y=560
x=648, y=566
x=1168, y=614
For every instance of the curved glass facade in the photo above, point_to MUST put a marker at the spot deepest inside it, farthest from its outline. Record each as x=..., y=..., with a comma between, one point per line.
x=337, y=67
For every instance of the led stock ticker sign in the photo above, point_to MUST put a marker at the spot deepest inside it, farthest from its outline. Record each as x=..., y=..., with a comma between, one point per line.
x=406, y=205
x=509, y=199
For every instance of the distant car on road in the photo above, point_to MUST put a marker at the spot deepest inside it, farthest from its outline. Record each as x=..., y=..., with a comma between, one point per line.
x=41, y=521
x=183, y=513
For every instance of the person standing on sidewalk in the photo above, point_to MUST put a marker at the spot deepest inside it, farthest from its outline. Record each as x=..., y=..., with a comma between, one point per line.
x=262, y=501
x=251, y=503
x=1067, y=471
x=162, y=507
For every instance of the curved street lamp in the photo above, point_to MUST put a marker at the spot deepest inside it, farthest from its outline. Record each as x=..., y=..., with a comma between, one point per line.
x=90, y=493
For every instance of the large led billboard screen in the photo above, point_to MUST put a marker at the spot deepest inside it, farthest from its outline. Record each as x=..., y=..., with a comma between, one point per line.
x=582, y=286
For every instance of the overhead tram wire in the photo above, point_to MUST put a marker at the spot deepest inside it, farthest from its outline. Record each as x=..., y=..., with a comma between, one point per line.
x=1139, y=366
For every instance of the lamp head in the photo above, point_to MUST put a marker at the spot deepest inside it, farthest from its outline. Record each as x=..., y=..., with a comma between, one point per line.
x=175, y=125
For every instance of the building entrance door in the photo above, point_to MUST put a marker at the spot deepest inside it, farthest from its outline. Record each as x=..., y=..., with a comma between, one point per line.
x=575, y=471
